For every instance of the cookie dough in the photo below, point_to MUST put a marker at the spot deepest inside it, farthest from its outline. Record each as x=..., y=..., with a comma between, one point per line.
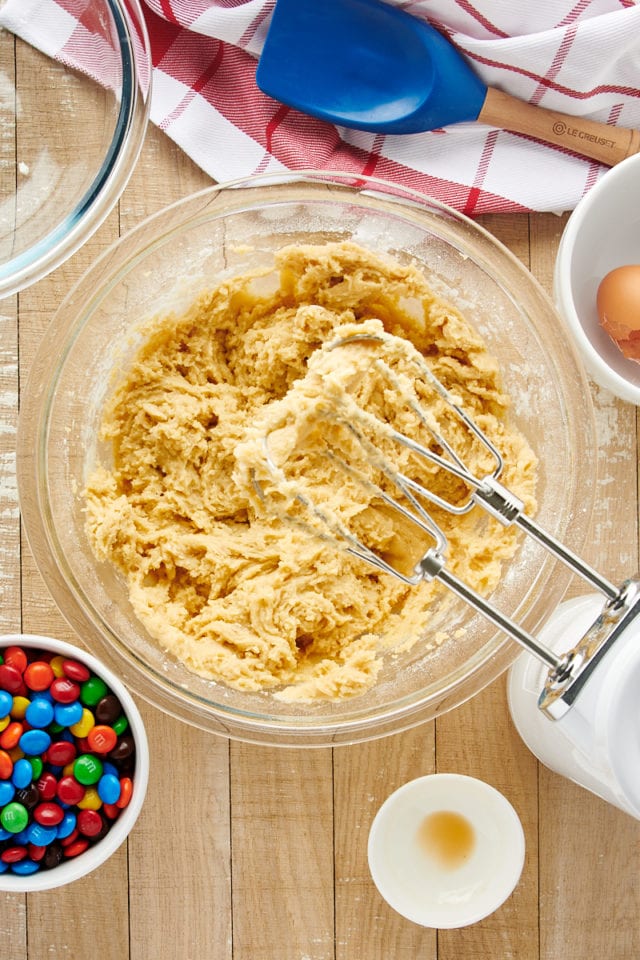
x=213, y=572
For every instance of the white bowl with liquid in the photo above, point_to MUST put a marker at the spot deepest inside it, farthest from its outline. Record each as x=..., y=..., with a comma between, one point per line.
x=446, y=850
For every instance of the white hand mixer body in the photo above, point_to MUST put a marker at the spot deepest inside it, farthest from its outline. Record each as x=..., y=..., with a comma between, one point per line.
x=595, y=743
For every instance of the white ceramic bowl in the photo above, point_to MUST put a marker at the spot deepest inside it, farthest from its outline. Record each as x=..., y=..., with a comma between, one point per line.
x=446, y=850
x=602, y=233
x=95, y=855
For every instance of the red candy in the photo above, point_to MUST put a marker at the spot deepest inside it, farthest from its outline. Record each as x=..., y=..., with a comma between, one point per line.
x=69, y=790
x=16, y=657
x=36, y=853
x=90, y=823
x=47, y=786
x=76, y=671
x=74, y=849
x=48, y=814
x=13, y=854
x=61, y=752
x=64, y=690
x=10, y=678
x=73, y=836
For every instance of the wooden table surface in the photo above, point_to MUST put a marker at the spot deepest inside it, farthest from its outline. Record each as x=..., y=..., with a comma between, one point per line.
x=253, y=853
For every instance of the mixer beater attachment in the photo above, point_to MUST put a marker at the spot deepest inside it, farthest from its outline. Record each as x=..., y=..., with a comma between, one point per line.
x=361, y=447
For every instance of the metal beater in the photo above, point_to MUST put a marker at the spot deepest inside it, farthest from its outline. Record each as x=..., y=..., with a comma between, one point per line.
x=567, y=673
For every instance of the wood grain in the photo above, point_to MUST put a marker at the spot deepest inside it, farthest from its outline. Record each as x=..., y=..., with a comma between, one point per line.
x=365, y=775
x=576, y=828
x=253, y=853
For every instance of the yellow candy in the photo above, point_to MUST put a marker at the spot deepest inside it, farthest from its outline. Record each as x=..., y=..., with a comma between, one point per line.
x=56, y=666
x=84, y=725
x=4, y=723
x=19, y=708
x=68, y=770
x=91, y=800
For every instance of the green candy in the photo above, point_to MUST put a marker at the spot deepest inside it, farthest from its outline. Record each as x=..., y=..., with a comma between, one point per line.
x=87, y=769
x=92, y=690
x=14, y=817
x=121, y=724
x=36, y=765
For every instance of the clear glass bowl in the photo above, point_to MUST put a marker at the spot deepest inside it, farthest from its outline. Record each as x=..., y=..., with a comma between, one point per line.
x=163, y=265
x=58, y=181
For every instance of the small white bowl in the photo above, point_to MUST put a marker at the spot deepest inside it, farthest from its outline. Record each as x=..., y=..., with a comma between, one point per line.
x=446, y=850
x=96, y=855
x=602, y=233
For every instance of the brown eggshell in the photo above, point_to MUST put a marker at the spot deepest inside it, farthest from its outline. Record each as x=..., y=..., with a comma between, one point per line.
x=618, y=305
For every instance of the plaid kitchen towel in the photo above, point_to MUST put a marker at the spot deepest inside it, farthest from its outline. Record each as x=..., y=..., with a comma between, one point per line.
x=581, y=57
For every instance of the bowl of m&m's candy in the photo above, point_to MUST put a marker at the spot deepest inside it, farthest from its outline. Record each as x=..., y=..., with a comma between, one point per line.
x=74, y=763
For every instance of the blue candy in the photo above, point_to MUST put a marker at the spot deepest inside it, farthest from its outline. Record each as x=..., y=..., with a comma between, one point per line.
x=3, y=866
x=22, y=774
x=39, y=713
x=42, y=695
x=34, y=742
x=25, y=867
x=109, y=788
x=7, y=792
x=6, y=703
x=66, y=714
x=66, y=826
x=39, y=835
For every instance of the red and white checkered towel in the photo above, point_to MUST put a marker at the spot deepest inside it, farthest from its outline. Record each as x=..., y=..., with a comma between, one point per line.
x=581, y=57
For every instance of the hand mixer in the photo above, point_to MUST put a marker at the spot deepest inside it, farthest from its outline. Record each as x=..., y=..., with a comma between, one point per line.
x=404, y=371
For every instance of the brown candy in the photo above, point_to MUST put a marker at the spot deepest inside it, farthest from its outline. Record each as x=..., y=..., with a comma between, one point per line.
x=108, y=709
x=123, y=749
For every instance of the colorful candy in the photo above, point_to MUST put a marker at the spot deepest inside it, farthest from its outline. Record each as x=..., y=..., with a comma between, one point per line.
x=66, y=759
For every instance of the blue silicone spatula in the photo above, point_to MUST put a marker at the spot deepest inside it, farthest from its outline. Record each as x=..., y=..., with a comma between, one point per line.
x=368, y=65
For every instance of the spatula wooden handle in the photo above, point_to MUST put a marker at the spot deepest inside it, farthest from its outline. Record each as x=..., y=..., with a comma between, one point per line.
x=598, y=141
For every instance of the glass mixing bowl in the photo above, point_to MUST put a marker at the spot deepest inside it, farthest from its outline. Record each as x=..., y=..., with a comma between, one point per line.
x=59, y=180
x=161, y=266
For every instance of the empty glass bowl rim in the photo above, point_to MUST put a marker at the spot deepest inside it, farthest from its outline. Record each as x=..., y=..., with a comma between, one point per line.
x=98, y=200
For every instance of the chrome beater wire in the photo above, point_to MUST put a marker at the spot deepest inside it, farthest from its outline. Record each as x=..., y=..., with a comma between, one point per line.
x=487, y=492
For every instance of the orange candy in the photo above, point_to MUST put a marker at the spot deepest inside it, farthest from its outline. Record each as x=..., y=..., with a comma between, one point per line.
x=126, y=791
x=39, y=675
x=6, y=765
x=102, y=739
x=11, y=735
